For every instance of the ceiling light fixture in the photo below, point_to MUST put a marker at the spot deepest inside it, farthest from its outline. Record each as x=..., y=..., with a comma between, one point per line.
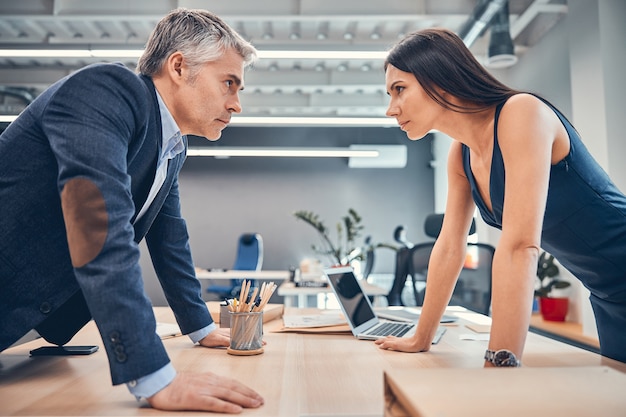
x=220, y=152
x=70, y=53
x=322, y=31
x=476, y=25
x=322, y=54
x=268, y=32
x=295, y=31
x=360, y=156
x=375, y=35
x=501, y=53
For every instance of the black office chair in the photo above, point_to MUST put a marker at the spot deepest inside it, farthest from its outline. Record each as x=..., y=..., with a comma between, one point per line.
x=249, y=258
x=473, y=288
x=417, y=268
x=419, y=254
x=394, y=296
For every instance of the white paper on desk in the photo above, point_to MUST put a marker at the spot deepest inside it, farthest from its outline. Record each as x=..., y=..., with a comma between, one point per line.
x=167, y=330
x=474, y=336
x=312, y=320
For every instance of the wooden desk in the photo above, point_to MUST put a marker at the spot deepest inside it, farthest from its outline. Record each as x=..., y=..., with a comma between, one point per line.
x=299, y=374
x=564, y=331
x=296, y=296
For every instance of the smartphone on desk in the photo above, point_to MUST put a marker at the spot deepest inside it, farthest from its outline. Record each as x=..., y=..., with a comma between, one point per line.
x=63, y=350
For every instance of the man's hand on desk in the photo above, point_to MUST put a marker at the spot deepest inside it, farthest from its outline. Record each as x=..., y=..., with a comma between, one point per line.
x=205, y=392
x=218, y=338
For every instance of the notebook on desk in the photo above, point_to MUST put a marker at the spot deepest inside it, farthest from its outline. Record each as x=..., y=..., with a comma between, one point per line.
x=360, y=315
x=409, y=314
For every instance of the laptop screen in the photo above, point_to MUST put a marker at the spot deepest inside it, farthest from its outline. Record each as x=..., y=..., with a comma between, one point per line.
x=355, y=304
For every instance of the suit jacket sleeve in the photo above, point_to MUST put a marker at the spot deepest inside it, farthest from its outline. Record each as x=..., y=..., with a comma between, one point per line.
x=94, y=122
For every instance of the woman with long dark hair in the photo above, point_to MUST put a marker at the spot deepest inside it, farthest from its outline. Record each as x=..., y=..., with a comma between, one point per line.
x=522, y=163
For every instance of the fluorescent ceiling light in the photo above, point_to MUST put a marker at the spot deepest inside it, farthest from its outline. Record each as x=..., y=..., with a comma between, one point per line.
x=359, y=156
x=220, y=152
x=313, y=121
x=390, y=156
x=70, y=53
x=136, y=53
x=322, y=54
x=4, y=118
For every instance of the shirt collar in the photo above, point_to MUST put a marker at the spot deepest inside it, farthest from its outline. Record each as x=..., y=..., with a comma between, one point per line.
x=172, y=140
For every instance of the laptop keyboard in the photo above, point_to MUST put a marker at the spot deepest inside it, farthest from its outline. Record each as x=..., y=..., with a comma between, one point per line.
x=391, y=329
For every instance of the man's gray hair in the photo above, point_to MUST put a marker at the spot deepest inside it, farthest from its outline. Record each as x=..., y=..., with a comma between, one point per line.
x=199, y=35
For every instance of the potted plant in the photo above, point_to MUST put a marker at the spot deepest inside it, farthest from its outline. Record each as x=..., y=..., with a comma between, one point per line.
x=552, y=308
x=342, y=249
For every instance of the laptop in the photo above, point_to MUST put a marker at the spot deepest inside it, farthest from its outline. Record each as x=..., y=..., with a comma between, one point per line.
x=360, y=315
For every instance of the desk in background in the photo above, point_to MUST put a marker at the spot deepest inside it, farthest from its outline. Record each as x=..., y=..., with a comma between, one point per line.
x=299, y=374
x=297, y=296
x=277, y=275
x=564, y=331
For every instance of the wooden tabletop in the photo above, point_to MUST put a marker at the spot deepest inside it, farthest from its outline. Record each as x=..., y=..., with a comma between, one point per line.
x=298, y=374
x=564, y=330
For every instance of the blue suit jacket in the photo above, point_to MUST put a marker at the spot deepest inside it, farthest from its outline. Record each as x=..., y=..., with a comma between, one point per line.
x=75, y=169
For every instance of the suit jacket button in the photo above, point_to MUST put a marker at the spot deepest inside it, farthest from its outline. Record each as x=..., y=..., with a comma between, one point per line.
x=121, y=357
x=114, y=337
x=45, y=307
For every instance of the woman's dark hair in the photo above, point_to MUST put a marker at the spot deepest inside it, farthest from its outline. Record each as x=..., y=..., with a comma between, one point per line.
x=438, y=58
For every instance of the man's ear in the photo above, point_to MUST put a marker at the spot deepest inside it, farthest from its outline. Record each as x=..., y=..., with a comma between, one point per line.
x=174, y=67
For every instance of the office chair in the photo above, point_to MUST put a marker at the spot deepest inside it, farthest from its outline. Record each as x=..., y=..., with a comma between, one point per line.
x=419, y=255
x=417, y=268
x=249, y=258
x=394, y=296
x=473, y=288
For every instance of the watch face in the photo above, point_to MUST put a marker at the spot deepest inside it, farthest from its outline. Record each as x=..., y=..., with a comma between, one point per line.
x=505, y=358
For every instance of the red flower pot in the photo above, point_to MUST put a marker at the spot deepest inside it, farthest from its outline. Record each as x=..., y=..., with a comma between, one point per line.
x=554, y=308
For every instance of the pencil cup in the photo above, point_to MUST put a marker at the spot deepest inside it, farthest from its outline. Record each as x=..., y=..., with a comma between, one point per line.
x=246, y=333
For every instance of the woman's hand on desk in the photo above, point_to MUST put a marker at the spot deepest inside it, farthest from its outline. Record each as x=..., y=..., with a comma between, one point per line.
x=205, y=392
x=401, y=344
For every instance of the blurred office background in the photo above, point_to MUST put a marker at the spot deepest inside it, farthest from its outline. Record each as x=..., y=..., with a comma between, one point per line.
x=572, y=52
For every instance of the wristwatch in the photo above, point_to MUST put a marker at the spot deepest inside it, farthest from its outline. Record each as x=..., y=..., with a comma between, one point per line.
x=502, y=357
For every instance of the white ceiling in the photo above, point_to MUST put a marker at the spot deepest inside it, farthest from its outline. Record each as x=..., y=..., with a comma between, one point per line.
x=275, y=87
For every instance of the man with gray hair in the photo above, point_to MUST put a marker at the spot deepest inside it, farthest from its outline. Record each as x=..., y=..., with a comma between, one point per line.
x=87, y=171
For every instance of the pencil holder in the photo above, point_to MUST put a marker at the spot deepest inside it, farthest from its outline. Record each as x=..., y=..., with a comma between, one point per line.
x=246, y=333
